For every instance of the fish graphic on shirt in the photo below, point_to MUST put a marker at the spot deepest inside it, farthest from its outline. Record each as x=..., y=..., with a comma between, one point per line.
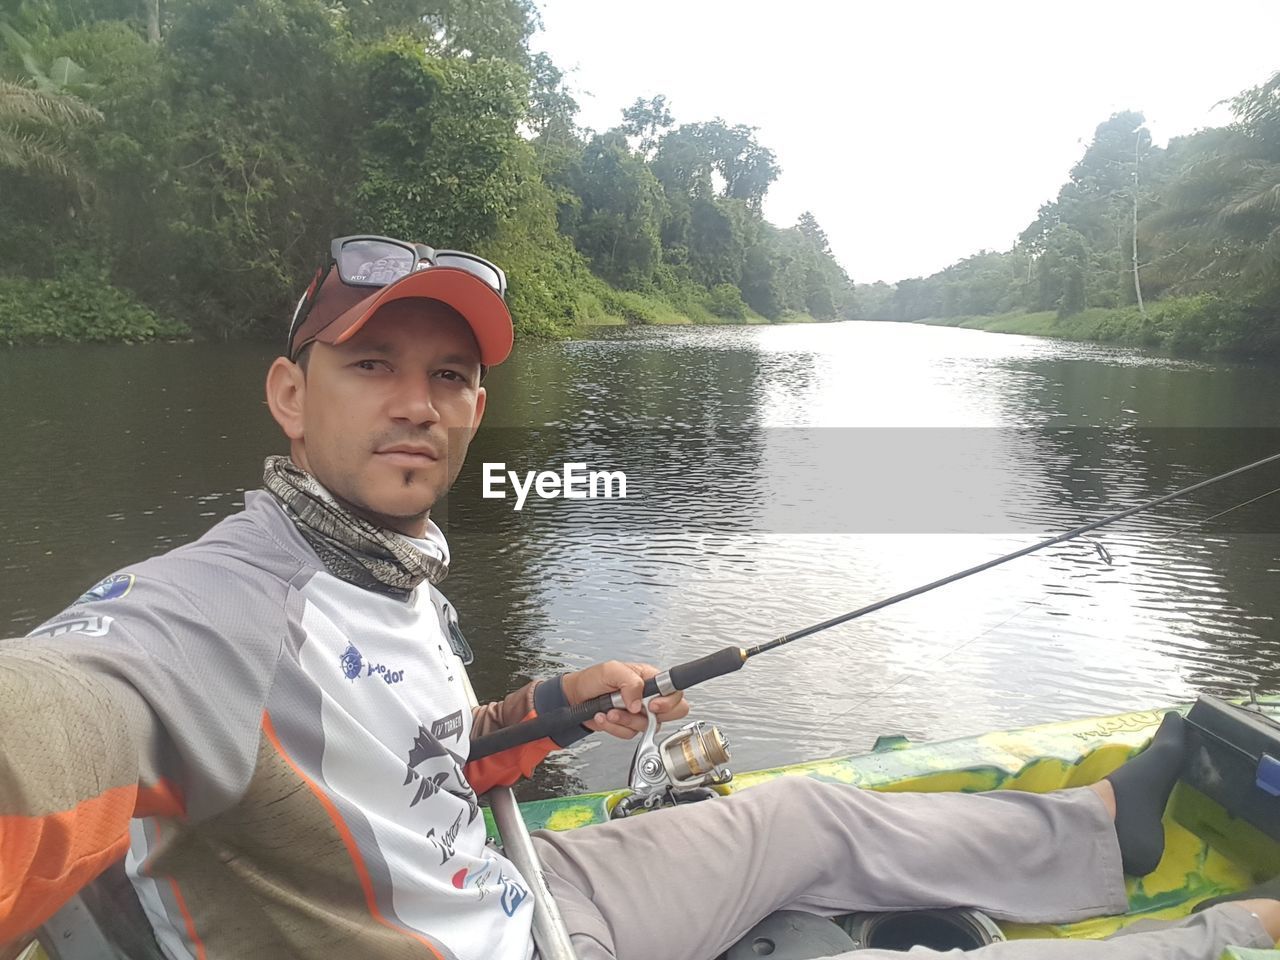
x=427, y=747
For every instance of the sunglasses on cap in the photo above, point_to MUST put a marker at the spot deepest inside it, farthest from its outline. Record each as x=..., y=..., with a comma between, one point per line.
x=361, y=265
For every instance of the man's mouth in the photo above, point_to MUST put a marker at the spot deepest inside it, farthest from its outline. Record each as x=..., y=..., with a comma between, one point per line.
x=409, y=455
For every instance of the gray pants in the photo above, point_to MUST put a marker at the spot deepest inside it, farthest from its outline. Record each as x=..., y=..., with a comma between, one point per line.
x=686, y=883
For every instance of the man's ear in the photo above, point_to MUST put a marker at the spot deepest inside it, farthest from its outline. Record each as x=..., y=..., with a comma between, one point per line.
x=481, y=397
x=287, y=395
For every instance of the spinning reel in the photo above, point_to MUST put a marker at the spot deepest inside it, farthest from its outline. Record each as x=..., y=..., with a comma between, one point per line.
x=680, y=769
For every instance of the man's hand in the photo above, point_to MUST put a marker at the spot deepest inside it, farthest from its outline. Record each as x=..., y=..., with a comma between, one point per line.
x=628, y=679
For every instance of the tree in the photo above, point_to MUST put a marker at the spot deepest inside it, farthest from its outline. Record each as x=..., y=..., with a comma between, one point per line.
x=646, y=121
x=748, y=168
x=621, y=211
x=1220, y=214
x=790, y=271
x=1062, y=272
x=1108, y=181
x=687, y=157
x=465, y=29
x=1252, y=210
x=808, y=226
x=551, y=111
x=38, y=110
x=720, y=233
x=32, y=126
x=443, y=158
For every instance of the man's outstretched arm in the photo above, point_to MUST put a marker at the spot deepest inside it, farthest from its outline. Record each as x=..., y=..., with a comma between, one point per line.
x=70, y=780
x=142, y=703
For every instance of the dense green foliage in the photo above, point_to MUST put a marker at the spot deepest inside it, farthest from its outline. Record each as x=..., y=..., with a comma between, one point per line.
x=1178, y=324
x=194, y=159
x=1204, y=214
x=77, y=307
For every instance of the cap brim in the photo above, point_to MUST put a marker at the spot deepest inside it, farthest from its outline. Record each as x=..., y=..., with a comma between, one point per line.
x=477, y=302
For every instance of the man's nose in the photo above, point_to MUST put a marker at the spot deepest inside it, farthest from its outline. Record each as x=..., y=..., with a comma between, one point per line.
x=413, y=401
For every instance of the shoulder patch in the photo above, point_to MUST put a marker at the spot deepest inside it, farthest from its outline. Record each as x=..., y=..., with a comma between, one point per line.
x=112, y=588
x=89, y=626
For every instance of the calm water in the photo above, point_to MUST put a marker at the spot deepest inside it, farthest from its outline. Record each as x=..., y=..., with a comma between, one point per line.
x=776, y=476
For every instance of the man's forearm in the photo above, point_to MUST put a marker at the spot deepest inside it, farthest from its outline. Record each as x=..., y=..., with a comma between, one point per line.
x=511, y=709
x=505, y=768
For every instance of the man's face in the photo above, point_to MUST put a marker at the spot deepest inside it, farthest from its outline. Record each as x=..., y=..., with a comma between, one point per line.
x=384, y=420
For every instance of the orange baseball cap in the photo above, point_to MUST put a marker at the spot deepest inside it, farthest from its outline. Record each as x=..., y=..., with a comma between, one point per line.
x=332, y=310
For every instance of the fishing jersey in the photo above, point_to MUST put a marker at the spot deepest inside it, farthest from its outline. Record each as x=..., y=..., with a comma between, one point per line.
x=280, y=757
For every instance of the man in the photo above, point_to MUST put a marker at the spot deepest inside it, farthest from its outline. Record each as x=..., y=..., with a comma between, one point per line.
x=270, y=724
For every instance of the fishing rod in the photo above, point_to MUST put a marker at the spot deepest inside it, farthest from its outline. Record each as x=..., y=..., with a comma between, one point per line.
x=731, y=659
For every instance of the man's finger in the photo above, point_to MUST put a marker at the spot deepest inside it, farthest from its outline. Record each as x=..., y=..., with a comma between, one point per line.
x=671, y=706
x=628, y=682
x=603, y=724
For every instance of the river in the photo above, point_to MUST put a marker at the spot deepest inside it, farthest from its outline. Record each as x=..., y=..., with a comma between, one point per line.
x=776, y=476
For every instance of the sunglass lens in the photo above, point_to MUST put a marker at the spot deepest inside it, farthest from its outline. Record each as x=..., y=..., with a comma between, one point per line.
x=374, y=262
x=473, y=266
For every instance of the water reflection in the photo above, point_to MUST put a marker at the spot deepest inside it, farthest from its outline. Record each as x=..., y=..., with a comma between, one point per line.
x=117, y=453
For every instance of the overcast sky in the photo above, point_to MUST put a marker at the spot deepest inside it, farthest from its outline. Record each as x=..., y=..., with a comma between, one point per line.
x=917, y=133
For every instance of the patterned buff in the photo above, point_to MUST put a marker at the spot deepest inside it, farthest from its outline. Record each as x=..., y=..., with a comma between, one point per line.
x=352, y=548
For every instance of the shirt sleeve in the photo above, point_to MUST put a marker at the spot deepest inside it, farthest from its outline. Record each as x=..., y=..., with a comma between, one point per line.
x=134, y=701
x=505, y=768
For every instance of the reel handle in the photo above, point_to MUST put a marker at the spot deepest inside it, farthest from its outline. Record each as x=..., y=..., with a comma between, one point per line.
x=680, y=677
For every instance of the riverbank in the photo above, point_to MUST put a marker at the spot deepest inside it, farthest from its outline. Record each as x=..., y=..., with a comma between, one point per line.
x=1183, y=325
x=608, y=306
x=88, y=309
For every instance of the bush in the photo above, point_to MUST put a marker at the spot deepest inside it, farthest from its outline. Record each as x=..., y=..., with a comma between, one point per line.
x=638, y=308
x=76, y=307
x=725, y=300
x=1205, y=322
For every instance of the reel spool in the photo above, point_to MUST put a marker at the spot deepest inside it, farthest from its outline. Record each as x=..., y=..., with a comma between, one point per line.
x=680, y=769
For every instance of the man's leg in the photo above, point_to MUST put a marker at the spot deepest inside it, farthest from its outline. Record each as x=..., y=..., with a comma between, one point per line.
x=686, y=883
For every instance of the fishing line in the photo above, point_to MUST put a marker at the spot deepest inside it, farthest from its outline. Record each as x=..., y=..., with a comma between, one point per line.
x=730, y=659
x=1103, y=553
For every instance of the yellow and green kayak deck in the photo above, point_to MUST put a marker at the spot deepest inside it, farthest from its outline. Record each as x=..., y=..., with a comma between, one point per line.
x=1208, y=851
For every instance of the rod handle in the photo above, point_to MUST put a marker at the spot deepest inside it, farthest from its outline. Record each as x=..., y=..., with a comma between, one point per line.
x=686, y=675
x=681, y=676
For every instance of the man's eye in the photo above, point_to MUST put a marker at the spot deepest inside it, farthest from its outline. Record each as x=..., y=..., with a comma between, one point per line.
x=453, y=375
x=371, y=364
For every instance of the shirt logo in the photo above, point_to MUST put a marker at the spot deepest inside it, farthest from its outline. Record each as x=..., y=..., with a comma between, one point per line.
x=445, y=842
x=426, y=747
x=386, y=673
x=513, y=894
x=89, y=626
x=112, y=588
x=446, y=727
x=351, y=662
x=479, y=879
x=353, y=665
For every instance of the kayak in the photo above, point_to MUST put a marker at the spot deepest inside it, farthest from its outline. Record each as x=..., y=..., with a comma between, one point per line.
x=1222, y=825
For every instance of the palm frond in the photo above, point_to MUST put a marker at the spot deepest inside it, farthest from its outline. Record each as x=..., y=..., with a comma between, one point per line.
x=21, y=103
x=1260, y=199
x=29, y=153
